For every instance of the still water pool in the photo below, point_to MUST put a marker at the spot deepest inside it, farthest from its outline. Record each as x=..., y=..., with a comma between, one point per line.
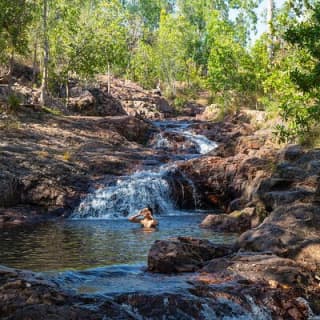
x=84, y=244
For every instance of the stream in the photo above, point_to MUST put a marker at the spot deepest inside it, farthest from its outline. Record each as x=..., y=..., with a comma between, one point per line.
x=97, y=250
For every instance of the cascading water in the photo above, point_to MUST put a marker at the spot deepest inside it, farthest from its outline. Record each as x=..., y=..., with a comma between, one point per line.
x=144, y=188
x=129, y=195
x=161, y=142
x=204, y=145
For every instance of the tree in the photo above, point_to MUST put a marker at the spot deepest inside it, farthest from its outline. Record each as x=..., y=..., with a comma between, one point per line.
x=270, y=14
x=15, y=18
x=304, y=35
x=229, y=65
x=44, y=83
x=86, y=38
x=175, y=43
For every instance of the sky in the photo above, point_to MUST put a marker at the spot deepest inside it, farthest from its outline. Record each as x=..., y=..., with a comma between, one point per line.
x=262, y=10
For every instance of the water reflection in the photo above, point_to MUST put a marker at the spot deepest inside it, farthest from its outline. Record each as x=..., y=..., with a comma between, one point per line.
x=80, y=245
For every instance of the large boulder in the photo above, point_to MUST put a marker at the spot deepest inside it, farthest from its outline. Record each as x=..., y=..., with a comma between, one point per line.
x=292, y=195
x=262, y=267
x=132, y=128
x=289, y=231
x=223, y=180
x=94, y=102
x=237, y=221
x=183, y=254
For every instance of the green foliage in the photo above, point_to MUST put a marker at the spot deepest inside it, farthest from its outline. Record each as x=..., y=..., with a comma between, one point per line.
x=85, y=41
x=15, y=19
x=292, y=84
x=13, y=101
x=230, y=67
x=186, y=46
x=144, y=65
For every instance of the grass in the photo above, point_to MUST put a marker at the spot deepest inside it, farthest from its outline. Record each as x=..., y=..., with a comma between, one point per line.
x=43, y=154
x=67, y=156
x=311, y=139
x=10, y=124
x=54, y=112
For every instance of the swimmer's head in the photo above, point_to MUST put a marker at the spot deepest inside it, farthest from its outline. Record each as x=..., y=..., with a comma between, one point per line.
x=147, y=212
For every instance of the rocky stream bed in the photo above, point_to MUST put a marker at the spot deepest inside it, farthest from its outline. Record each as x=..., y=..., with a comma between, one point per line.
x=255, y=254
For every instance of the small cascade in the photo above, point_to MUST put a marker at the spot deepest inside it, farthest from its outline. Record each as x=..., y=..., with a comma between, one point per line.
x=204, y=145
x=195, y=195
x=128, y=196
x=161, y=142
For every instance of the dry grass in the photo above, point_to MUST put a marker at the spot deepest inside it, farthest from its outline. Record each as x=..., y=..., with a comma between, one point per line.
x=67, y=156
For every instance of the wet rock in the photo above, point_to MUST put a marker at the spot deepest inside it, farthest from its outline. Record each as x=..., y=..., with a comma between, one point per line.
x=192, y=109
x=183, y=254
x=183, y=192
x=26, y=295
x=248, y=285
x=10, y=188
x=131, y=128
x=292, y=153
x=279, y=286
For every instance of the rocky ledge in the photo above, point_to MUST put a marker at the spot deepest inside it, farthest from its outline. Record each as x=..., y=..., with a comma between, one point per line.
x=49, y=162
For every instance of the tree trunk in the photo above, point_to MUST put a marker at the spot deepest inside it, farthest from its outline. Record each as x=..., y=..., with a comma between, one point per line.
x=10, y=74
x=67, y=91
x=270, y=30
x=34, y=63
x=109, y=79
x=44, y=83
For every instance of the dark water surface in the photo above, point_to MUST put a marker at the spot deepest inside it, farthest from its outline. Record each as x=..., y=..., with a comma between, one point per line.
x=84, y=244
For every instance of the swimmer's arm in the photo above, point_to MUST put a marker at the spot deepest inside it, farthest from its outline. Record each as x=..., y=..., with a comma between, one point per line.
x=136, y=218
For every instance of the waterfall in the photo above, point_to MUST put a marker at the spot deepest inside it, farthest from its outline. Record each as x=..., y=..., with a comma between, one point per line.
x=144, y=188
x=128, y=196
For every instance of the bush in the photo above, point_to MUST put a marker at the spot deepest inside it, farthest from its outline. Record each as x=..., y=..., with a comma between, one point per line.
x=14, y=102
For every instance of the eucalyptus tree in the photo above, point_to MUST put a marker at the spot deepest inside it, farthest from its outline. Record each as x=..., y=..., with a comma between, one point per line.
x=229, y=64
x=15, y=19
x=82, y=38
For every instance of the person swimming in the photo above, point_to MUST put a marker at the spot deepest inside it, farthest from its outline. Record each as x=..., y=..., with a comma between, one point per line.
x=145, y=218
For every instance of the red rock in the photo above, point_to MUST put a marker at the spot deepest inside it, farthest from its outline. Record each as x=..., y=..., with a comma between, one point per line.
x=183, y=254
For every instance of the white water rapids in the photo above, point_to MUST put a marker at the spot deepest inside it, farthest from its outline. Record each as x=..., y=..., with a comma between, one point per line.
x=143, y=188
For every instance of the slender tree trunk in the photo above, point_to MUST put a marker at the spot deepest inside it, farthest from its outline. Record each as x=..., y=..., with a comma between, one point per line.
x=270, y=11
x=44, y=83
x=67, y=91
x=10, y=74
x=109, y=79
x=34, y=63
